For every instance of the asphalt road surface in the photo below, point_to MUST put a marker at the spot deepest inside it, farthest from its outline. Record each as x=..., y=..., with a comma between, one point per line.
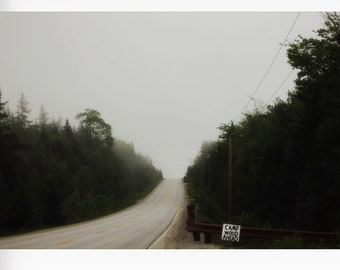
x=133, y=228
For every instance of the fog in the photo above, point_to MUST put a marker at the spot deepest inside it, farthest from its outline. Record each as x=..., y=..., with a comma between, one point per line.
x=164, y=81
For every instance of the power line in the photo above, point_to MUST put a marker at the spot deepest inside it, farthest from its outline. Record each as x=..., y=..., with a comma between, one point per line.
x=277, y=90
x=256, y=127
x=270, y=66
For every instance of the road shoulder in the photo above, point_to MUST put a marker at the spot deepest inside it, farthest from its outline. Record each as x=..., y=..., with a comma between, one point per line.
x=177, y=237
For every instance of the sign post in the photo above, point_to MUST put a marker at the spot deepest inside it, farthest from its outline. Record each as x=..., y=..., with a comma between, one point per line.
x=231, y=232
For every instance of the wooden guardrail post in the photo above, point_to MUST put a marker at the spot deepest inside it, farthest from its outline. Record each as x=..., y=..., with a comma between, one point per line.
x=191, y=210
x=263, y=233
x=207, y=238
x=197, y=236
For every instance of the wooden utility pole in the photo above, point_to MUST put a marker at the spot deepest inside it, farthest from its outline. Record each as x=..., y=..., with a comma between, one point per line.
x=230, y=157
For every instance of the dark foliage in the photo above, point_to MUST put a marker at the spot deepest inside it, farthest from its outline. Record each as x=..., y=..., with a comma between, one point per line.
x=286, y=158
x=52, y=174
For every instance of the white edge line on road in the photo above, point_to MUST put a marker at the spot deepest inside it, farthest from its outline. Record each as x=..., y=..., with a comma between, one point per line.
x=162, y=234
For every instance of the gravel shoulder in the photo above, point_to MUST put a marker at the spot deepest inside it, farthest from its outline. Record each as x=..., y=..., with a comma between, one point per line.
x=177, y=237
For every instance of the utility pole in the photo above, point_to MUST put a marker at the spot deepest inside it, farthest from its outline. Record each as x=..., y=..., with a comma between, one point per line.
x=230, y=157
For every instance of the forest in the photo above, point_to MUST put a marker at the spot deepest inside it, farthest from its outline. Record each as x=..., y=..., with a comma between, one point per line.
x=52, y=174
x=286, y=156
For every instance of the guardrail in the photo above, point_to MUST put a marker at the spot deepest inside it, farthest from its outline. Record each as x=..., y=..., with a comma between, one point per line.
x=263, y=233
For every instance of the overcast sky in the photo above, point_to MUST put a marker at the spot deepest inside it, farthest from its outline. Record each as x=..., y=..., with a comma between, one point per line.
x=164, y=81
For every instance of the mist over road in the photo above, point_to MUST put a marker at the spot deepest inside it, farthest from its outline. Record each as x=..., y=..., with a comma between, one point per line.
x=133, y=228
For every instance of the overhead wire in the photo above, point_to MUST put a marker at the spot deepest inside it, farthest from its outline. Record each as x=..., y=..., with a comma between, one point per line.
x=270, y=66
x=278, y=89
x=256, y=127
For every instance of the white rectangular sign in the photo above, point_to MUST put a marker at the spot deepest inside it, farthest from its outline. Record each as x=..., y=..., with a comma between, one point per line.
x=231, y=232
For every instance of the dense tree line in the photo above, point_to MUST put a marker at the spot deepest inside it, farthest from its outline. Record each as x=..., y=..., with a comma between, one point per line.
x=54, y=174
x=285, y=157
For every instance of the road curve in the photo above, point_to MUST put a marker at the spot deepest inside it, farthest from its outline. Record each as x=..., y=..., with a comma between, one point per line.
x=133, y=228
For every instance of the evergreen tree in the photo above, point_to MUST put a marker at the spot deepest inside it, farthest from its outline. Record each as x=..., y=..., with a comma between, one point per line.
x=22, y=112
x=59, y=175
x=285, y=158
x=316, y=105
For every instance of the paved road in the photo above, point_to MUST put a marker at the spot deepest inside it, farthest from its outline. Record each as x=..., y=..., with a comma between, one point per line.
x=133, y=228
